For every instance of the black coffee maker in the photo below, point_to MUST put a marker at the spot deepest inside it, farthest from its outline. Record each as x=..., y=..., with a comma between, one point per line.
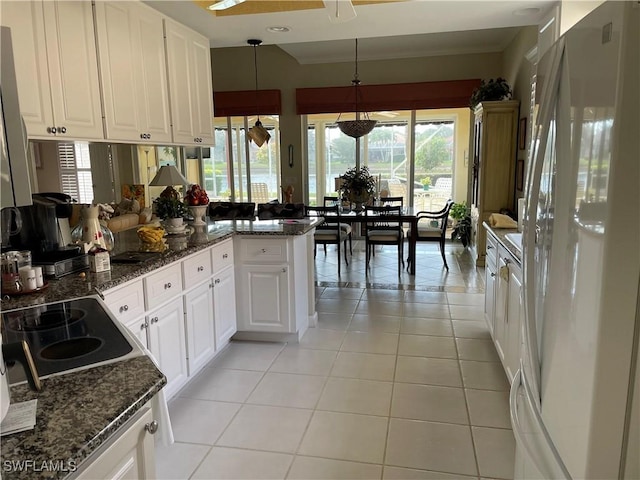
x=45, y=227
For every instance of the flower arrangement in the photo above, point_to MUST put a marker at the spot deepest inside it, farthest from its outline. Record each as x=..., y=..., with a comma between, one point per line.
x=492, y=90
x=357, y=184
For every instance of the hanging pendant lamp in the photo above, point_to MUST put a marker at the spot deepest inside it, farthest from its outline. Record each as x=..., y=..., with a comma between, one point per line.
x=358, y=127
x=257, y=133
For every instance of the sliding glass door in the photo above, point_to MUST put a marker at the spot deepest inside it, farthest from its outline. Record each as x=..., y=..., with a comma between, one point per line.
x=240, y=171
x=419, y=155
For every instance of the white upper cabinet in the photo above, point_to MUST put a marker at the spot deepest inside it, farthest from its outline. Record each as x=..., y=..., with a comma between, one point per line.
x=56, y=68
x=191, y=93
x=133, y=70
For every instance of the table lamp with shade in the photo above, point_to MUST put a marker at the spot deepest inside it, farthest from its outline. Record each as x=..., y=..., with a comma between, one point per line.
x=168, y=176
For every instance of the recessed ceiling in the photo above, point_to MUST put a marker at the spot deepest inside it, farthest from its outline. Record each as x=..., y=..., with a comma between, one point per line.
x=398, y=29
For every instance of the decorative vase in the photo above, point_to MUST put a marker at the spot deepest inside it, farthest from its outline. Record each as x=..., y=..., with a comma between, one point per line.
x=174, y=223
x=198, y=212
x=91, y=231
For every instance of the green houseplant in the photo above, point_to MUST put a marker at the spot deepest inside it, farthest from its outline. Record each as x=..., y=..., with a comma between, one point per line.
x=358, y=185
x=462, y=229
x=492, y=90
x=169, y=207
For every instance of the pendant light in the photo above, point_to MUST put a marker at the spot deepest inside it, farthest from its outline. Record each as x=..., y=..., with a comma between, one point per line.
x=257, y=133
x=358, y=127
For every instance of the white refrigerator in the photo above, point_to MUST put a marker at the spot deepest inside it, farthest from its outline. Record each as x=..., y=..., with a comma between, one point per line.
x=575, y=402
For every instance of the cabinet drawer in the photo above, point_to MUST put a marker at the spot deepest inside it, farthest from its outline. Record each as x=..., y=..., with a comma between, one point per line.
x=196, y=269
x=492, y=250
x=222, y=255
x=162, y=285
x=264, y=250
x=126, y=302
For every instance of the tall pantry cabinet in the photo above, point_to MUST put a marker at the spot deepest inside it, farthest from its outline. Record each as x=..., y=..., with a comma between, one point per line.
x=495, y=135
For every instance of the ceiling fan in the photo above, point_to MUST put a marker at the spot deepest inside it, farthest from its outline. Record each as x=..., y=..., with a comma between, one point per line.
x=339, y=11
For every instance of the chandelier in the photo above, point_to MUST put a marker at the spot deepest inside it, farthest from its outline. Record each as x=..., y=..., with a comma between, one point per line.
x=257, y=133
x=358, y=127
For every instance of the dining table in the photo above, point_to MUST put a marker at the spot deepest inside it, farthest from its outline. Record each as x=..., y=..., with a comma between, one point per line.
x=408, y=215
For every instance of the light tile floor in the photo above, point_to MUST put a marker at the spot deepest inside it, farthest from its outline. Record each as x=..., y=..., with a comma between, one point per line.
x=400, y=382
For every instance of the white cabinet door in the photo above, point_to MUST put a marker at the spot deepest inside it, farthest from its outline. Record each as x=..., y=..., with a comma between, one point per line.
x=26, y=21
x=263, y=299
x=73, y=70
x=515, y=311
x=198, y=306
x=167, y=344
x=490, y=297
x=139, y=327
x=133, y=72
x=500, y=313
x=224, y=302
x=191, y=94
x=130, y=456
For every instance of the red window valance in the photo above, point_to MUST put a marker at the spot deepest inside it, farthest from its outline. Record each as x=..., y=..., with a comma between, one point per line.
x=246, y=102
x=399, y=96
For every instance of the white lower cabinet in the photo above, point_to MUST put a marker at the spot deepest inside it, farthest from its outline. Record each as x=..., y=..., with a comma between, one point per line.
x=503, y=303
x=515, y=313
x=130, y=455
x=139, y=328
x=265, y=290
x=166, y=337
x=199, y=316
x=224, y=306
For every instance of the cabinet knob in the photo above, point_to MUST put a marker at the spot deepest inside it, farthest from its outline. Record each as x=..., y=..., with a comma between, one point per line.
x=63, y=129
x=151, y=427
x=217, y=281
x=264, y=250
x=489, y=247
x=226, y=255
x=167, y=285
x=200, y=268
x=51, y=130
x=493, y=274
x=143, y=326
x=124, y=308
x=284, y=270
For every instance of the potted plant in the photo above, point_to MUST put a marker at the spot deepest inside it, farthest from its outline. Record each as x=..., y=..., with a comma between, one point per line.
x=358, y=185
x=462, y=229
x=492, y=90
x=426, y=183
x=170, y=209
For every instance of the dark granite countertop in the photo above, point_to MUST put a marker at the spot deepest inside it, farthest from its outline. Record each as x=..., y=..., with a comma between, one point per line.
x=178, y=246
x=76, y=414
x=500, y=234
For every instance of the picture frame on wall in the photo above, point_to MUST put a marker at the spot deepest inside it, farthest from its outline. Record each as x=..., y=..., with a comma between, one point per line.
x=520, y=175
x=522, y=134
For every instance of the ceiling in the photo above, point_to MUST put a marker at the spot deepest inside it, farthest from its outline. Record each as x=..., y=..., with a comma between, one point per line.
x=405, y=29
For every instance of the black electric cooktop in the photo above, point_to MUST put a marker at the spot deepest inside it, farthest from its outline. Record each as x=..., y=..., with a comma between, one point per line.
x=65, y=335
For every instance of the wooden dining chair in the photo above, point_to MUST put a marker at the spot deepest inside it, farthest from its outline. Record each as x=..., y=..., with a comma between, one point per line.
x=330, y=201
x=393, y=201
x=329, y=233
x=432, y=227
x=380, y=228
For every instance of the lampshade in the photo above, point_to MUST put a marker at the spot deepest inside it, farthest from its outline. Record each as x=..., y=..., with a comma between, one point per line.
x=257, y=133
x=358, y=127
x=168, y=175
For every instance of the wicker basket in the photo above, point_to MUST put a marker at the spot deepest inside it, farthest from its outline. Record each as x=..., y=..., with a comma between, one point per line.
x=356, y=128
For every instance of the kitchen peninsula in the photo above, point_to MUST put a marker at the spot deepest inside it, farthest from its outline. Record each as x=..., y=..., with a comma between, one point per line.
x=248, y=279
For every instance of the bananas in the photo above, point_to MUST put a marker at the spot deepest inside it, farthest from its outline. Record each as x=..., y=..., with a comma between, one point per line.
x=151, y=234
